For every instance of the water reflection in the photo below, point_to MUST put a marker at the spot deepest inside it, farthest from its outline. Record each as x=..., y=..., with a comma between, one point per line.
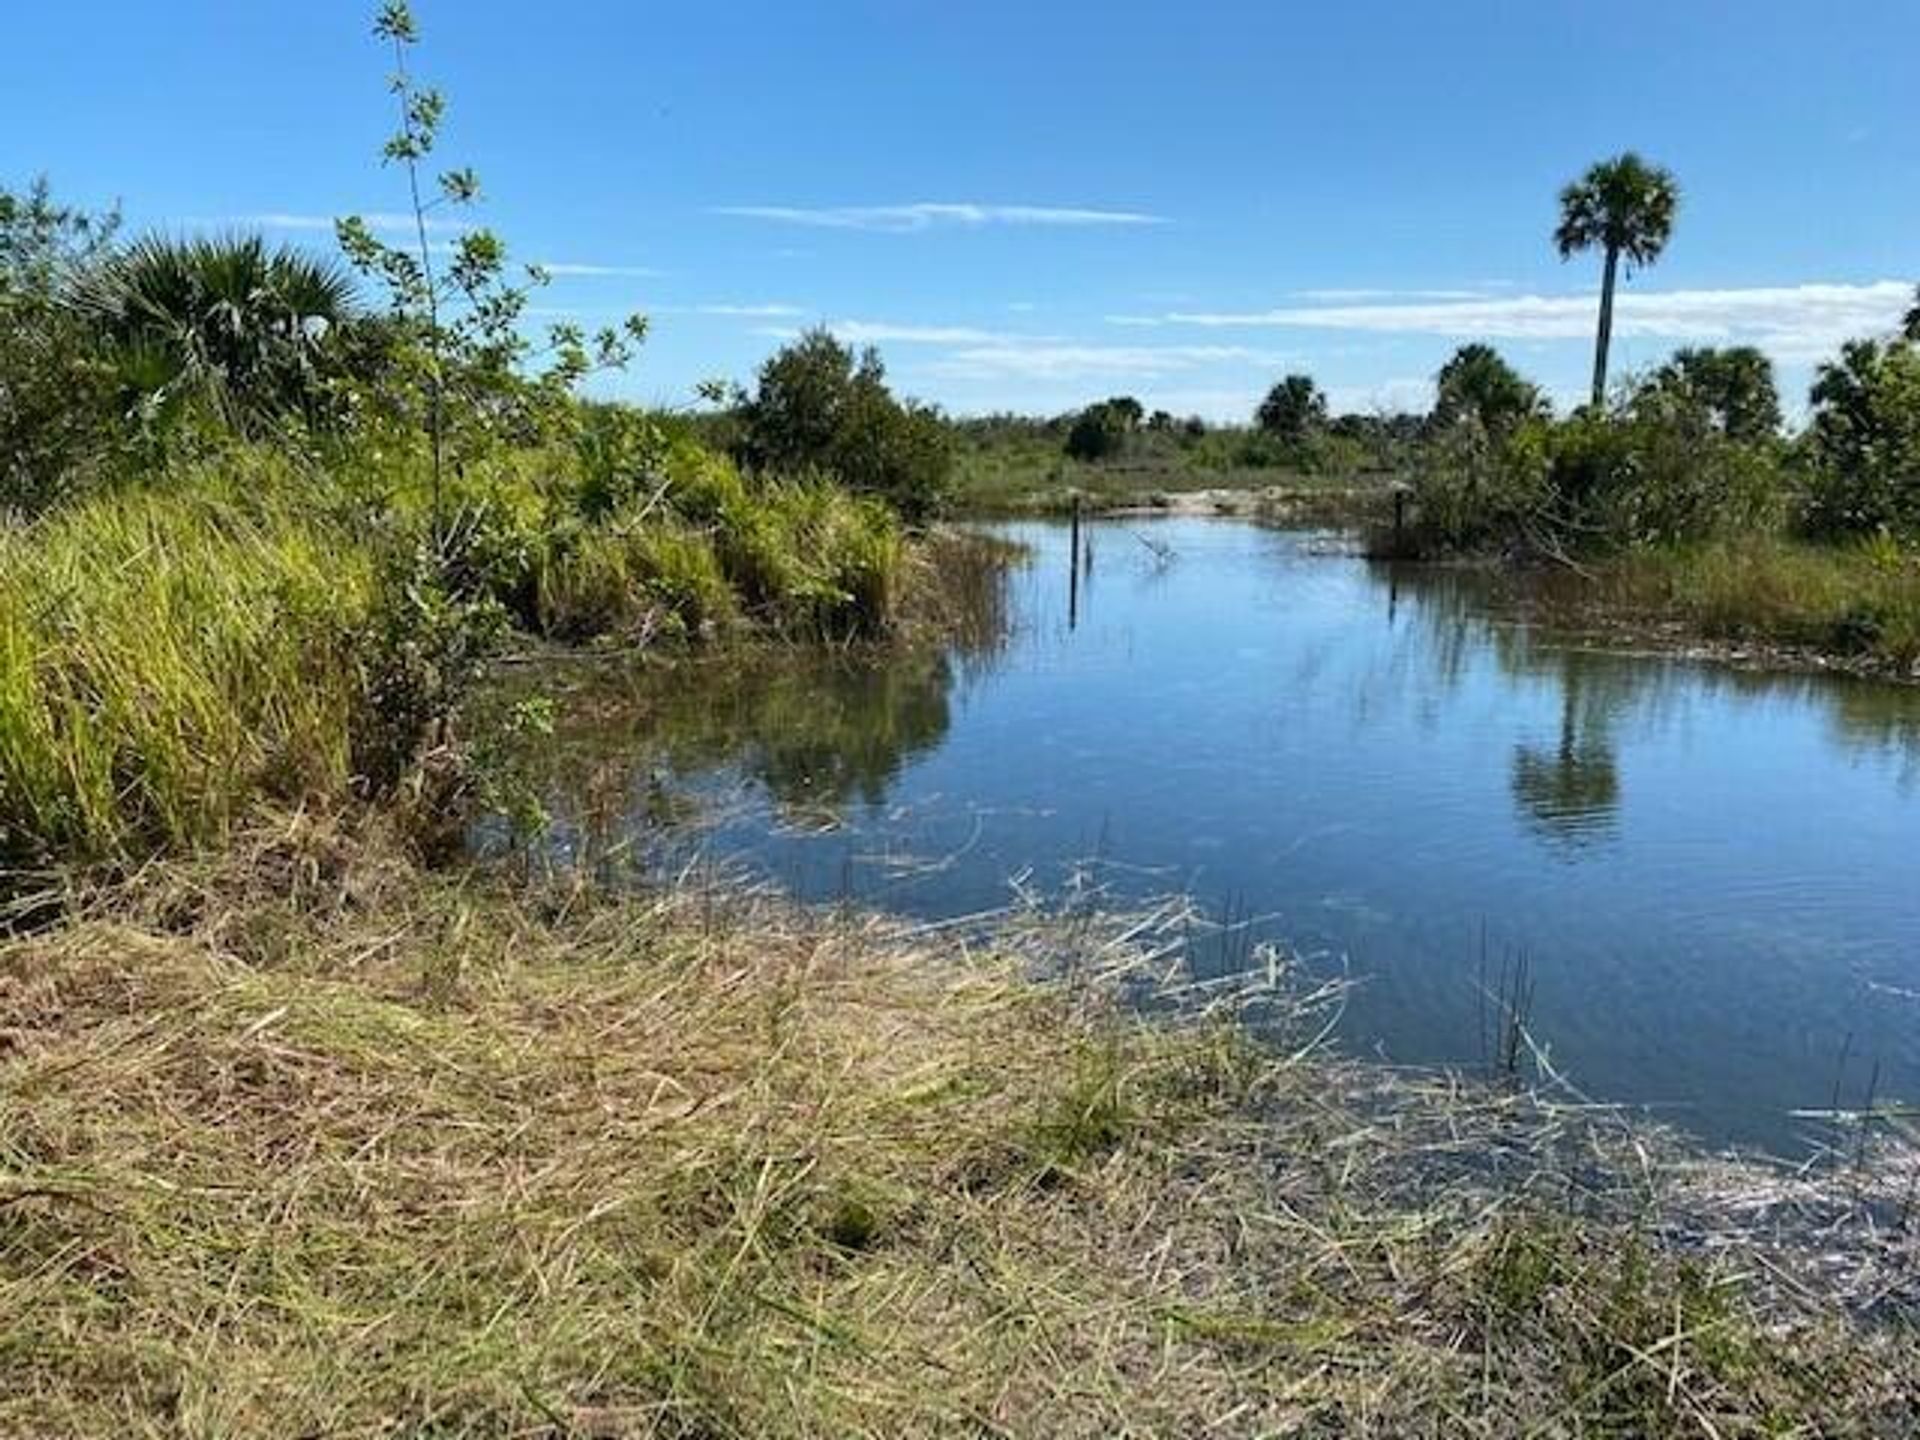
x=1709, y=866
x=1566, y=785
x=1570, y=791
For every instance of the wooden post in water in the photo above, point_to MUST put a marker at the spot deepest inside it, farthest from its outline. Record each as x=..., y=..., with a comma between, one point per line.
x=1073, y=569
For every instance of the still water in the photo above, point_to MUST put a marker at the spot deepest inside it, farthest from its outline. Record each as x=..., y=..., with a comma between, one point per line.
x=1714, y=874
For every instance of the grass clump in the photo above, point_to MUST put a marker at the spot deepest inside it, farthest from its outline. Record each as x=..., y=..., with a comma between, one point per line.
x=360, y=1149
x=1859, y=600
x=165, y=656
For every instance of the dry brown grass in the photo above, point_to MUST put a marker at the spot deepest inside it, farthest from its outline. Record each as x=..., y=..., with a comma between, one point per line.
x=303, y=1140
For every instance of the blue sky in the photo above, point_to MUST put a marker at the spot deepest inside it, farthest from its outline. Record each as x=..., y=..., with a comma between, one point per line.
x=1032, y=205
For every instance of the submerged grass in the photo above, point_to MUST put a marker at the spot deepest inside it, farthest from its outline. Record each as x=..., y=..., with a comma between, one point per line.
x=303, y=1140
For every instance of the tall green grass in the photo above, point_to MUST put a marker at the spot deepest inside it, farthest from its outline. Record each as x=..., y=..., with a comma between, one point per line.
x=240, y=627
x=707, y=547
x=1860, y=599
x=164, y=654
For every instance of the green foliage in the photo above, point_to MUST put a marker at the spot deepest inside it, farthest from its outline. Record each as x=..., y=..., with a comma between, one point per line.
x=457, y=346
x=1654, y=478
x=229, y=323
x=820, y=407
x=1100, y=432
x=44, y=244
x=423, y=648
x=1730, y=390
x=1910, y=328
x=1476, y=491
x=620, y=450
x=1864, y=441
x=1592, y=482
x=1294, y=409
x=56, y=391
x=1477, y=383
x=1857, y=598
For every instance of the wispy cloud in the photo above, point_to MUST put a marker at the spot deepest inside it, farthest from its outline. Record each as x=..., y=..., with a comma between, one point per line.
x=927, y=215
x=1050, y=360
x=577, y=268
x=375, y=219
x=883, y=332
x=1339, y=296
x=1794, y=322
x=770, y=311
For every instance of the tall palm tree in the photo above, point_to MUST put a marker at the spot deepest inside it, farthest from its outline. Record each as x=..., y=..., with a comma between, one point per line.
x=1622, y=206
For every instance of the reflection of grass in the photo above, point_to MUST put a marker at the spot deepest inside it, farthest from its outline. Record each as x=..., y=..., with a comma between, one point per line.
x=304, y=1140
x=816, y=727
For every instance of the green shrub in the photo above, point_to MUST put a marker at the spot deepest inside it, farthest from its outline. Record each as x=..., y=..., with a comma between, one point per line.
x=1863, y=444
x=1101, y=432
x=821, y=408
x=1593, y=482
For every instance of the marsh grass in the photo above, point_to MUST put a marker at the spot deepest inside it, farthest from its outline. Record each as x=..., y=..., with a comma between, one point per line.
x=299, y=1139
x=165, y=656
x=1858, y=601
x=238, y=629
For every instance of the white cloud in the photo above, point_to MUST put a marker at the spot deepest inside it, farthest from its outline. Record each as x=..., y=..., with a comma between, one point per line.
x=572, y=268
x=770, y=311
x=1338, y=296
x=925, y=215
x=881, y=332
x=376, y=220
x=1052, y=360
x=1793, y=322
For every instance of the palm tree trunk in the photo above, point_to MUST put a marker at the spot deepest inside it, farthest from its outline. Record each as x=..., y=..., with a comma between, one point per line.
x=1605, y=337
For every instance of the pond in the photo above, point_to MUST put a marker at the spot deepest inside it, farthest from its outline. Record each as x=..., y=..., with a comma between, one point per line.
x=1712, y=875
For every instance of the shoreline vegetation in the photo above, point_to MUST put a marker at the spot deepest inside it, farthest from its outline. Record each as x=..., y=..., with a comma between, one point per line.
x=302, y=1137
x=312, y=1122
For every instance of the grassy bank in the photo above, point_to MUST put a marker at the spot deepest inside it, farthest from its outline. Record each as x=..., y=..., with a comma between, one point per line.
x=1757, y=599
x=248, y=626
x=1856, y=605
x=1013, y=468
x=301, y=1139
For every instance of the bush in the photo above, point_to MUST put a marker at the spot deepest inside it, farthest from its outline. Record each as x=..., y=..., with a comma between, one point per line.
x=58, y=425
x=226, y=322
x=1593, y=482
x=1863, y=445
x=821, y=408
x=1293, y=409
x=1099, y=433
